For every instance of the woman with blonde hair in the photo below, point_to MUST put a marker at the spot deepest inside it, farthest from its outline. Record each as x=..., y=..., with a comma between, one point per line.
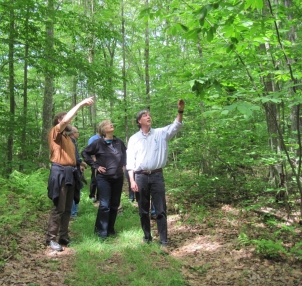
x=110, y=154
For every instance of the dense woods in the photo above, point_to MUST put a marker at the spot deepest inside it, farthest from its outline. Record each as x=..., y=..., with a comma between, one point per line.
x=233, y=177
x=235, y=63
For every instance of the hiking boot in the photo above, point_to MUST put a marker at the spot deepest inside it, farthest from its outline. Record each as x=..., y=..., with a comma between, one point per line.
x=64, y=241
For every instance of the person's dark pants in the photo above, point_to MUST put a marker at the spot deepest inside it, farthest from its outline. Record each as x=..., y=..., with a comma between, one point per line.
x=60, y=214
x=110, y=191
x=93, y=185
x=152, y=185
x=131, y=193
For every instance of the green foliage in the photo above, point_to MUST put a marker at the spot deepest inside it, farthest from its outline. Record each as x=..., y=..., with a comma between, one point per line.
x=269, y=248
x=296, y=250
x=21, y=197
x=243, y=239
x=265, y=247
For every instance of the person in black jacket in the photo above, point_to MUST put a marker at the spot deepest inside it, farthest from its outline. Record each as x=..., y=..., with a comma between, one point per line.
x=74, y=135
x=110, y=154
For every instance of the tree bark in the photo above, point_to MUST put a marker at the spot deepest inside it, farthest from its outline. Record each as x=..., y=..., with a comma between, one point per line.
x=23, y=153
x=124, y=74
x=11, y=126
x=147, y=48
x=49, y=84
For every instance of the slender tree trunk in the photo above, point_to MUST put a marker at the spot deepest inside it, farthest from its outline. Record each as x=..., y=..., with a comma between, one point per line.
x=296, y=121
x=147, y=48
x=49, y=84
x=11, y=85
x=89, y=6
x=109, y=60
x=124, y=74
x=23, y=154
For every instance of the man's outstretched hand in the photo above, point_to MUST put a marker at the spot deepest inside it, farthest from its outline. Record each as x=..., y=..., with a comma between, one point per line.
x=181, y=105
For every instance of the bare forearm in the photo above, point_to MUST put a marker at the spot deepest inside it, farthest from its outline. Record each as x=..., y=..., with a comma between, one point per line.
x=72, y=112
x=131, y=175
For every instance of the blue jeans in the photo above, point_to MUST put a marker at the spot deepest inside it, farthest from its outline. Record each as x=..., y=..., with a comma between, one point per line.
x=153, y=212
x=152, y=185
x=74, y=209
x=110, y=191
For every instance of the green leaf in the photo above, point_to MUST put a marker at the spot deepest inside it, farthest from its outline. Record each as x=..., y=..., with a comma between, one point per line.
x=234, y=40
x=225, y=112
x=193, y=34
x=201, y=22
x=203, y=13
x=258, y=4
x=230, y=48
x=144, y=12
x=216, y=5
x=244, y=109
x=185, y=28
x=210, y=35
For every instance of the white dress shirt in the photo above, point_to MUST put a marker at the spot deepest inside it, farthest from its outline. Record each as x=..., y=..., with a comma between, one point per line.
x=150, y=152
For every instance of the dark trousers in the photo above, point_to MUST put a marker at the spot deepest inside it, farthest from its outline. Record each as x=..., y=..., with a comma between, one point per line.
x=152, y=185
x=110, y=191
x=60, y=214
x=93, y=185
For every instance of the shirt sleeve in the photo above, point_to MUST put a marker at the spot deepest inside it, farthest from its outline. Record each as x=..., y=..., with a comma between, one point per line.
x=131, y=154
x=90, y=141
x=55, y=134
x=87, y=152
x=172, y=129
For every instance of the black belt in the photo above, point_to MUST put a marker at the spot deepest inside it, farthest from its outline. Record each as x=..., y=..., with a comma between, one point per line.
x=149, y=172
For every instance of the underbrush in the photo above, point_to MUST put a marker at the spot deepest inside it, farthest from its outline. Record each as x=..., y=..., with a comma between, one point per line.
x=22, y=198
x=271, y=236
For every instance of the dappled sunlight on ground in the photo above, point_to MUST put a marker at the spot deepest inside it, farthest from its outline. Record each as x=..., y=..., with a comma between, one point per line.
x=230, y=209
x=201, y=243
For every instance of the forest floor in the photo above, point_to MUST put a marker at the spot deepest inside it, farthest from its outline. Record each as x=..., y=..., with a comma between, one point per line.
x=209, y=252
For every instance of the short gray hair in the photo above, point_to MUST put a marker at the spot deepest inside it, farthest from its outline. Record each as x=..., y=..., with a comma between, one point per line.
x=139, y=116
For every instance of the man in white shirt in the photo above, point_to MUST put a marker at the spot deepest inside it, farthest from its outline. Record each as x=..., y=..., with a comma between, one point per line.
x=146, y=156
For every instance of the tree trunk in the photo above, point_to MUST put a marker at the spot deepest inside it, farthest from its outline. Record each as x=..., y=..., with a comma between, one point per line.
x=49, y=84
x=147, y=76
x=23, y=154
x=89, y=6
x=11, y=125
x=124, y=74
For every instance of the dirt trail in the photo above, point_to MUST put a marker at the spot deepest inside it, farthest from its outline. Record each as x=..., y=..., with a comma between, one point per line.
x=209, y=252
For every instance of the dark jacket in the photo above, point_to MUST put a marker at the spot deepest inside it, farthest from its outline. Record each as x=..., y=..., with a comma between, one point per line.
x=78, y=159
x=111, y=156
x=70, y=176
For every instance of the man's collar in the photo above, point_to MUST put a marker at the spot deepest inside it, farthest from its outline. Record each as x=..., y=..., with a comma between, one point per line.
x=144, y=133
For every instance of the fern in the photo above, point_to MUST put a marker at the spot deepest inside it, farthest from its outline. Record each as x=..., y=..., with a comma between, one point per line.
x=243, y=239
x=269, y=248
